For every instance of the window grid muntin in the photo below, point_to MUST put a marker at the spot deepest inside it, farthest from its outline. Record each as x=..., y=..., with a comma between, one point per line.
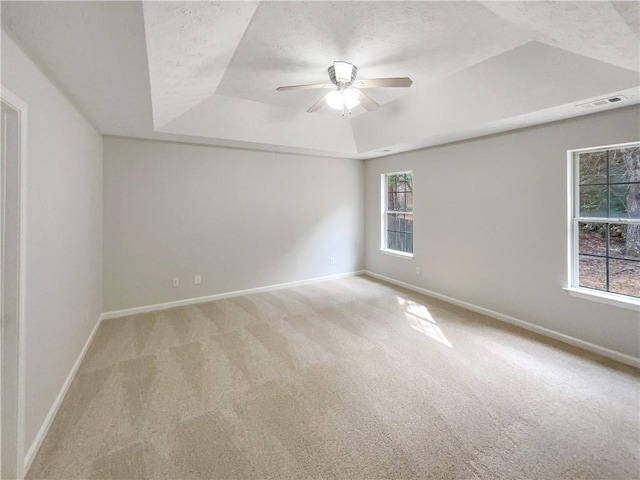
x=405, y=245
x=608, y=221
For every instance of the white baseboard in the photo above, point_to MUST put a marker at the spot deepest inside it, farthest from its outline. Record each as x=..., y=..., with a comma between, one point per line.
x=46, y=424
x=219, y=296
x=576, y=342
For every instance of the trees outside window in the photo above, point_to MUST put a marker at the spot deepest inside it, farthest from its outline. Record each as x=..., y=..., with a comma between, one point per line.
x=606, y=219
x=398, y=212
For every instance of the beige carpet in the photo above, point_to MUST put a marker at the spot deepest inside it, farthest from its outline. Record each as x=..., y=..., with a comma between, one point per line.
x=344, y=379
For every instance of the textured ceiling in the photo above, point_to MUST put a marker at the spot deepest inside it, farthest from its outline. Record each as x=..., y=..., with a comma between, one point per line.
x=187, y=61
x=207, y=71
x=386, y=40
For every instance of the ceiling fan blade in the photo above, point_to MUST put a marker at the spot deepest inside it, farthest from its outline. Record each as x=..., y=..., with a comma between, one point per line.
x=383, y=82
x=316, y=106
x=303, y=87
x=367, y=102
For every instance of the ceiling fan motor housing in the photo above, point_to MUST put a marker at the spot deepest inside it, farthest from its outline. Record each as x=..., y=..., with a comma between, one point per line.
x=348, y=93
x=342, y=72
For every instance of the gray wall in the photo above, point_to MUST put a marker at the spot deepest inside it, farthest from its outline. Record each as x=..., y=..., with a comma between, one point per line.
x=239, y=218
x=63, y=232
x=490, y=213
x=491, y=223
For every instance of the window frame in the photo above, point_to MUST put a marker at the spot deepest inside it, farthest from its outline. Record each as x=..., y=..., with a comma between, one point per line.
x=383, y=220
x=573, y=221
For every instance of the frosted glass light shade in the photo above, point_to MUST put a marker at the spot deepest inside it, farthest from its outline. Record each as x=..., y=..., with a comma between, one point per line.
x=348, y=99
x=351, y=98
x=334, y=100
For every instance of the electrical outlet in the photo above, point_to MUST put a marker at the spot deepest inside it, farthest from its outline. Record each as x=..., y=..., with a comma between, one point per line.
x=417, y=270
x=176, y=282
x=332, y=260
x=197, y=280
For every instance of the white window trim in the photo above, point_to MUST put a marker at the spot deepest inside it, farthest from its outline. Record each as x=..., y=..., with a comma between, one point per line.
x=397, y=253
x=574, y=289
x=622, y=301
x=383, y=217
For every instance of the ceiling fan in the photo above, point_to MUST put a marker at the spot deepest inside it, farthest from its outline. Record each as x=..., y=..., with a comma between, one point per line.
x=347, y=91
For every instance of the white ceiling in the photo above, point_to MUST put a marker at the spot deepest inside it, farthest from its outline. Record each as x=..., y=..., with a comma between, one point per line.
x=207, y=72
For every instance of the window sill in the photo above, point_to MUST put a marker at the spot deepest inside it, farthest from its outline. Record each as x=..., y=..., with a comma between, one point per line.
x=605, y=297
x=395, y=253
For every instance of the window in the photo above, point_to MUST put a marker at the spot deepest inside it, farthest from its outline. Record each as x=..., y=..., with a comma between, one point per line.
x=605, y=229
x=397, y=207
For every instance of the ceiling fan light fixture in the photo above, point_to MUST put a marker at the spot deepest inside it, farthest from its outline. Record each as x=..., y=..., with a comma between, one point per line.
x=334, y=100
x=348, y=91
x=345, y=99
x=351, y=98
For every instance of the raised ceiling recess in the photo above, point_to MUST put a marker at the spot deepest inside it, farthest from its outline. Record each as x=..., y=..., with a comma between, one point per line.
x=207, y=72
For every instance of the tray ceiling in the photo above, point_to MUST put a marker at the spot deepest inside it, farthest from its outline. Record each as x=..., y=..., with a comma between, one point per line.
x=206, y=72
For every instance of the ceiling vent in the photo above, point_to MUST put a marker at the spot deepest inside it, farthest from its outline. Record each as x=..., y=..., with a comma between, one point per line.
x=603, y=101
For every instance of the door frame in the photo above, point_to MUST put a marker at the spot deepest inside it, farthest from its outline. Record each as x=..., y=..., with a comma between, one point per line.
x=21, y=107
